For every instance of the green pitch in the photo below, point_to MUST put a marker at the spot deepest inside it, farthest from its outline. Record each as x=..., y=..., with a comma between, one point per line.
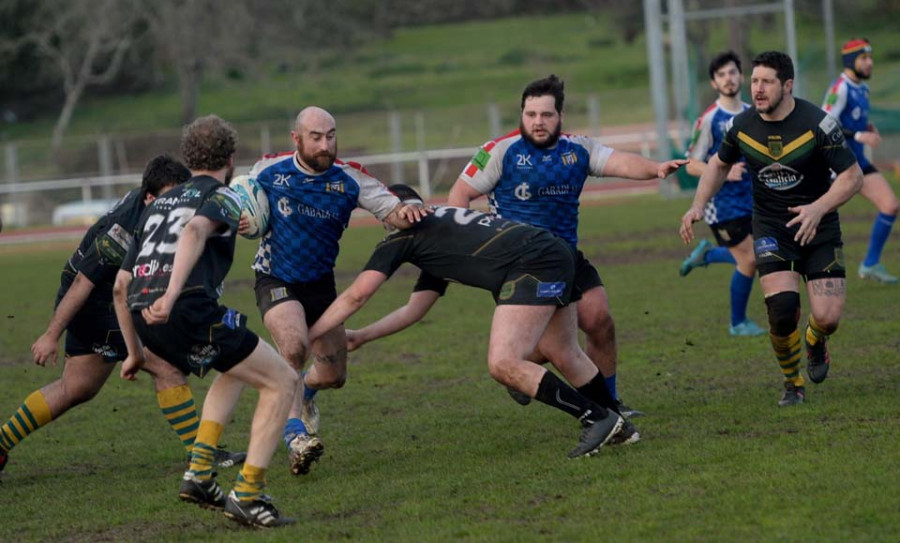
x=421, y=445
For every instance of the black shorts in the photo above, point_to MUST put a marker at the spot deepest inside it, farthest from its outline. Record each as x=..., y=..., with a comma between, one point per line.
x=732, y=232
x=869, y=168
x=776, y=250
x=314, y=296
x=95, y=330
x=200, y=335
x=586, y=275
x=544, y=276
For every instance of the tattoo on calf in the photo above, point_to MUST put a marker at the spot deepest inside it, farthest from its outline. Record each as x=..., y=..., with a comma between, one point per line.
x=332, y=359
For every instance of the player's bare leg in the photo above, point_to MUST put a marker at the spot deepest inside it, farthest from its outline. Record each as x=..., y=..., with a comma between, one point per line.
x=826, y=304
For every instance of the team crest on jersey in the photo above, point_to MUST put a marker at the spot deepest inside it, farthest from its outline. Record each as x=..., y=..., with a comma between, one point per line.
x=481, y=159
x=779, y=177
x=523, y=192
x=335, y=186
x=775, y=146
x=569, y=158
x=284, y=207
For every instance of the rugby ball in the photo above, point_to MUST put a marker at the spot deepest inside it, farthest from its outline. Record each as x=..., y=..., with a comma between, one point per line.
x=254, y=205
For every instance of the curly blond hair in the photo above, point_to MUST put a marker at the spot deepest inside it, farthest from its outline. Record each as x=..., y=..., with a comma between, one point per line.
x=208, y=143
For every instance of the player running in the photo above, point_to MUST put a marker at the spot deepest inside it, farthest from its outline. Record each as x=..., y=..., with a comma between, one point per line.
x=728, y=212
x=848, y=101
x=791, y=147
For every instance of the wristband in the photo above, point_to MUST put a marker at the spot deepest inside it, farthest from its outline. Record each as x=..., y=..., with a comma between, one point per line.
x=856, y=136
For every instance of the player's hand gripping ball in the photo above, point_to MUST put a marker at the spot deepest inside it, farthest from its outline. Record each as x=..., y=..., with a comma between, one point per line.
x=254, y=205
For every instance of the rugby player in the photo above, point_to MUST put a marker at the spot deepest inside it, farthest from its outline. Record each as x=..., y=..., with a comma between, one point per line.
x=530, y=273
x=728, y=212
x=93, y=342
x=535, y=175
x=166, y=296
x=311, y=196
x=791, y=147
x=847, y=100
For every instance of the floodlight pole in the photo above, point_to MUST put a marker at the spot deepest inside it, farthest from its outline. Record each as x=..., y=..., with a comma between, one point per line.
x=653, y=26
x=828, y=18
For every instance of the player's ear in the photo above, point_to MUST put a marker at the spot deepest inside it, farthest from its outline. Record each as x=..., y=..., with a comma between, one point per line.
x=789, y=86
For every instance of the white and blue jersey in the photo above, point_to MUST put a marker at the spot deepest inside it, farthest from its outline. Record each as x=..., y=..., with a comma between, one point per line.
x=309, y=213
x=537, y=186
x=735, y=199
x=848, y=102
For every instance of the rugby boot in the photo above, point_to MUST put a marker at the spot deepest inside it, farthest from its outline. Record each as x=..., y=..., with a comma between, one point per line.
x=305, y=450
x=877, y=273
x=696, y=258
x=207, y=494
x=258, y=513
x=793, y=395
x=817, y=360
x=596, y=433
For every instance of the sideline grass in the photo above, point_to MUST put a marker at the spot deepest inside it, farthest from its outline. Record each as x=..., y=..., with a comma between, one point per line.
x=422, y=446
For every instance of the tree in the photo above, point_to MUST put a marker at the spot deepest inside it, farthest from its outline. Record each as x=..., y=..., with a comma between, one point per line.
x=85, y=41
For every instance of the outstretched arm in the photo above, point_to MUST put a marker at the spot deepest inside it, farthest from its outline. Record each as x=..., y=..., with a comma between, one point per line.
x=633, y=166
x=349, y=302
x=45, y=348
x=420, y=302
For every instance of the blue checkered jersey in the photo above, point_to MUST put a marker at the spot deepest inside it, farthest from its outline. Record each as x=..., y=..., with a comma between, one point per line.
x=735, y=198
x=848, y=102
x=537, y=186
x=309, y=212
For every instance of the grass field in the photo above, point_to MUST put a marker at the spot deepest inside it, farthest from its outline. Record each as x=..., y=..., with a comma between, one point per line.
x=423, y=446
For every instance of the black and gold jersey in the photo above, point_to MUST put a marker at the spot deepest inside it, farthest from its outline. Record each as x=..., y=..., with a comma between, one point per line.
x=791, y=160
x=463, y=246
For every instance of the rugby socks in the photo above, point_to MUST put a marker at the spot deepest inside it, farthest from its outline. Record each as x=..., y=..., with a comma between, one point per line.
x=308, y=393
x=30, y=416
x=787, y=350
x=814, y=332
x=598, y=392
x=881, y=229
x=555, y=393
x=177, y=405
x=250, y=483
x=292, y=429
x=719, y=255
x=741, y=285
x=203, y=456
x=611, y=386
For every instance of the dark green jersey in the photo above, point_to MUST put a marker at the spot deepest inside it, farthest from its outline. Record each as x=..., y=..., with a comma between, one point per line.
x=152, y=256
x=463, y=246
x=791, y=160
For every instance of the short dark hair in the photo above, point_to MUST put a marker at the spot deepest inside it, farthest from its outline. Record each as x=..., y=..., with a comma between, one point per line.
x=162, y=171
x=722, y=59
x=778, y=61
x=208, y=143
x=549, y=86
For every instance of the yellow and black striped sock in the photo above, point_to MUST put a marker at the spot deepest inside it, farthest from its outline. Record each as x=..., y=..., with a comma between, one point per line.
x=30, y=416
x=177, y=405
x=250, y=483
x=787, y=350
x=204, y=454
x=814, y=332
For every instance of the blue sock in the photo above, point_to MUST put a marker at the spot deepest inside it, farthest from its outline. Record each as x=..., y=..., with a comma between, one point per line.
x=741, y=285
x=881, y=229
x=308, y=393
x=611, y=385
x=292, y=428
x=719, y=255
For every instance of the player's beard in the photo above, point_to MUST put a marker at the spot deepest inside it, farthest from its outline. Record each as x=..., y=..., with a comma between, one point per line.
x=550, y=142
x=862, y=75
x=320, y=161
x=773, y=105
x=731, y=94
